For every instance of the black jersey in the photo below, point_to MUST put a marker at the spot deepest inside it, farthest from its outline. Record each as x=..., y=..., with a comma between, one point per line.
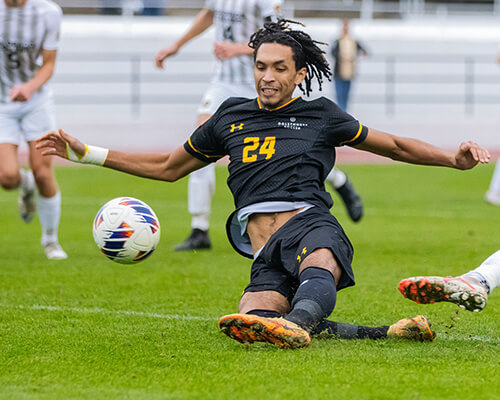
x=283, y=154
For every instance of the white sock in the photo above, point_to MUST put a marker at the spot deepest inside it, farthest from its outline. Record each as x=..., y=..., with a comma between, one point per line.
x=49, y=212
x=495, y=180
x=201, y=187
x=27, y=179
x=488, y=272
x=200, y=221
x=337, y=178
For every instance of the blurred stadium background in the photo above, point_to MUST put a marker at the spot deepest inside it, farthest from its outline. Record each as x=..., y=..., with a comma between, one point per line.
x=432, y=72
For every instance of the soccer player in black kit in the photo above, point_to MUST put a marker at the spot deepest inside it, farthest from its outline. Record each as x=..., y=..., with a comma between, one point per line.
x=281, y=149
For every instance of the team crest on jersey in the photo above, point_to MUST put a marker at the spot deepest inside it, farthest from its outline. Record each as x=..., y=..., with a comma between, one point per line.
x=292, y=124
x=235, y=127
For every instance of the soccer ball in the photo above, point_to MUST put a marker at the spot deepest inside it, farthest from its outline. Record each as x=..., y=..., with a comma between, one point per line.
x=126, y=230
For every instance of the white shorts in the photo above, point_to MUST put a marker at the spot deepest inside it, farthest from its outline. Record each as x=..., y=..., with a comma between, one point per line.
x=28, y=120
x=218, y=92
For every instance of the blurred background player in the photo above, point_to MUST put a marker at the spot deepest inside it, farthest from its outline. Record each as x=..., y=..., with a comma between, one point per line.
x=469, y=290
x=30, y=37
x=345, y=52
x=235, y=21
x=493, y=193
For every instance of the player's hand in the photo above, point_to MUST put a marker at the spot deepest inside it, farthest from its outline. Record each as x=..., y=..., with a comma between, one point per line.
x=164, y=54
x=54, y=144
x=470, y=154
x=226, y=50
x=21, y=93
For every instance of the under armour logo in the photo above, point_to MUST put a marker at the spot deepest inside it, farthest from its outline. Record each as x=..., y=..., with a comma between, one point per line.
x=239, y=127
x=302, y=253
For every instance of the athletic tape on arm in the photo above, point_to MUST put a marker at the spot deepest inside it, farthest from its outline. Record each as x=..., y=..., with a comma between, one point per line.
x=93, y=155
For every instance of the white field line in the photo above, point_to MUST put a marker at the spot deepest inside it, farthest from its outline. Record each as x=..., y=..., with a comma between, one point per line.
x=188, y=317
x=77, y=310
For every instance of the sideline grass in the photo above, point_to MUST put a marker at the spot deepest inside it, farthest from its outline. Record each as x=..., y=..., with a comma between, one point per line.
x=87, y=328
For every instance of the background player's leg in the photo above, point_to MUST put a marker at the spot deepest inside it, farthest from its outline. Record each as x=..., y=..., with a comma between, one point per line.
x=201, y=187
x=14, y=177
x=10, y=177
x=493, y=193
x=339, y=181
x=49, y=203
x=469, y=290
x=488, y=273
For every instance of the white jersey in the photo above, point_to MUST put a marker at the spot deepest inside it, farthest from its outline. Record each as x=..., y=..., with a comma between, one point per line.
x=24, y=33
x=235, y=21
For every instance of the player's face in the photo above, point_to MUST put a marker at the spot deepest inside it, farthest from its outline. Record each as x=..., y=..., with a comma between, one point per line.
x=15, y=3
x=275, y=75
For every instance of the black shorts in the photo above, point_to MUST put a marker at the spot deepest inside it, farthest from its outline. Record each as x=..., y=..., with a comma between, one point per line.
x=277, y=266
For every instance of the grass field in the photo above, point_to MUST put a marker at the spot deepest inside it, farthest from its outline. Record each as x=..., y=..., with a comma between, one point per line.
x=87, y=328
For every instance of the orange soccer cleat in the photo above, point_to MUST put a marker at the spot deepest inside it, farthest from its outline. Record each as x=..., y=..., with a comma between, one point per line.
x=248, y=328
x=417, y=328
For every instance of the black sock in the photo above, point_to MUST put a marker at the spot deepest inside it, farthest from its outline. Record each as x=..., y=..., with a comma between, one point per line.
x=265, y=313
x=330, y=329
x=315, y=298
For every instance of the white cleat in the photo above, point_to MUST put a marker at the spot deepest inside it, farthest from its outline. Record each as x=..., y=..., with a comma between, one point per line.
x=492, y=198
x=54, y=251
x=26, y=199
x=432, y=289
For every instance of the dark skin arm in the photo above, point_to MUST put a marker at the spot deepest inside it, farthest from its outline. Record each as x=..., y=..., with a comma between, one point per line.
x=415, y=151
x=165, y=167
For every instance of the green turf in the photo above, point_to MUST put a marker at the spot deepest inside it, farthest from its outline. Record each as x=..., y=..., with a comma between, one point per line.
x=87, y=328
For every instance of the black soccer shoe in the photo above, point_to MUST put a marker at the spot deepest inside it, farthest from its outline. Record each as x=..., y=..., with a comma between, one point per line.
x=198, y=240
x=352, y=200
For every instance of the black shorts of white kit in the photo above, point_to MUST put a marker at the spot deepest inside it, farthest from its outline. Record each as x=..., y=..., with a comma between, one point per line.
x=277, y=266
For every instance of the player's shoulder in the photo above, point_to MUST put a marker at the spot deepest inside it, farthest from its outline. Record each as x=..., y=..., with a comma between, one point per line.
x=233, y=106
x=321, y=104
x=235, y=103
x=48, y=7
x=269, y=3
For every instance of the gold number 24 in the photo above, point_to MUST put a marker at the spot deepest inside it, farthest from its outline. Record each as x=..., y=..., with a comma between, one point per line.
x=267, y=148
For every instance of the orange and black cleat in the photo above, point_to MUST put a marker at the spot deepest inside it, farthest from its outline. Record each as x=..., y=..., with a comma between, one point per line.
x=417, y=328
x=248, y=328
x=433, y=289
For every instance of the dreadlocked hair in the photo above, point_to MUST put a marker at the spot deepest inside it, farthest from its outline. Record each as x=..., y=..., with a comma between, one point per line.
x=306, y=52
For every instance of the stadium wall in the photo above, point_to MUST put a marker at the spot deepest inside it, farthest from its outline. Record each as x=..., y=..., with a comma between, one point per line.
x=162, y=127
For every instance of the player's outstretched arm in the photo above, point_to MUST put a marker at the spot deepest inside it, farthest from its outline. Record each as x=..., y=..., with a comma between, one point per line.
x=226, y=50
x=415, y=151
x=166, y=167
x=202, y=22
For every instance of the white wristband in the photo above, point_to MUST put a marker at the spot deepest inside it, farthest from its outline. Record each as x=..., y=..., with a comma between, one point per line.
x=93, y=155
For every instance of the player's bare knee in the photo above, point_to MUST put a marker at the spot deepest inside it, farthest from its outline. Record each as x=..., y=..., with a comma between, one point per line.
x=322, y=258
x=10, y=180
x=43, y=176
x=266, y=300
